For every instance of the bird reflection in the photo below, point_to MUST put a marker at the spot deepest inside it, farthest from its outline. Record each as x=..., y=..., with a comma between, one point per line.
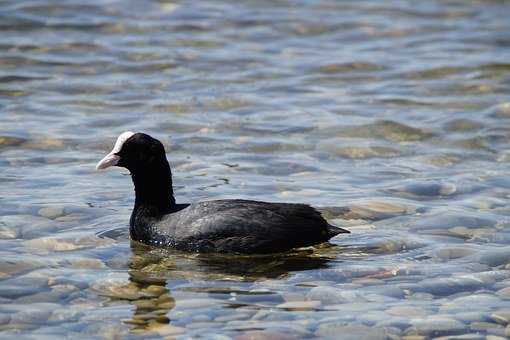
x=153, y=272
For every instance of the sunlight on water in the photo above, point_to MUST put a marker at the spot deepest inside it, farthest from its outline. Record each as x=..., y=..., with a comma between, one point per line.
x=392, y=117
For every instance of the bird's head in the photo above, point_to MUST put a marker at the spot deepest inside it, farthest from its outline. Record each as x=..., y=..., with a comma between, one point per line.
x=135, y=152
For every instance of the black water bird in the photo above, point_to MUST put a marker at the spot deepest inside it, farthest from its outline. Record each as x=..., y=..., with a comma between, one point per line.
x=233, y=226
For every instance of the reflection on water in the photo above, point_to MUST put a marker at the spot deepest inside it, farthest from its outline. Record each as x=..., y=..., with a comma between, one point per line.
x=392, y=117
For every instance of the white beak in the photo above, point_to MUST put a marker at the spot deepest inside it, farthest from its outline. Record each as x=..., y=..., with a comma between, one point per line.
x=108, y=161
x=112, y=159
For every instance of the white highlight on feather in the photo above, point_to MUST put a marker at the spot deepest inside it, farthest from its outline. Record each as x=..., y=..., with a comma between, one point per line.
x=112, y=159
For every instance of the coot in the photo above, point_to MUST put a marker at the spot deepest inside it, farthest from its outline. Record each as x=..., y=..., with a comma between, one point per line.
x=233, y=226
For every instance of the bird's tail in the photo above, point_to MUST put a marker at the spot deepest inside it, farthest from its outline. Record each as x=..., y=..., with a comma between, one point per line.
x=333, y=231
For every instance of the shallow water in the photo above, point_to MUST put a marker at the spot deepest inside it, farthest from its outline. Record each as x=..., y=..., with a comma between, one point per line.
x=391, y=117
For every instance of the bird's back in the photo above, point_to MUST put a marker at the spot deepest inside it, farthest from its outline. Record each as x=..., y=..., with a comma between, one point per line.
x=243, y=226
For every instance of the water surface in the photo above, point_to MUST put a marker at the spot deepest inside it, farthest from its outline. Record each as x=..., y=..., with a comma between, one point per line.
x=392, y=117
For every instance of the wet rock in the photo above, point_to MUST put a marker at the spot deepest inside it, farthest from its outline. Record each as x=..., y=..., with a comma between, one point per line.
x=435, y=326
x=451, y=253
x=495, y=337
x=504, y=293
x=145, y=303
x=326, y=295
x=425, y=189
x=462, y=337
x=447, y=220
x=10, y=267
x=329, y=295
x=354, y=332
x=472, y=302
x=21, y=286
x=233, y=317
x=481, y=326
x=495, y=257
x=501, y=317
x=72, y=217
x=49, y=244
x=335, y=147
x=265, y=335
x=155, y=290
x=117, y=289
x=196, y=303
x=469, y=317
x=388, y=130
x=33, y=314
x=86, y=263
x=300, y=305
x=463, y=125
x=395, y=322
x=57, y=294
x=373, y=317
x=10, y=141
x=421, y=296
x=378, y=210
x=4, y=319
x=8, y=232
x=27, y=226
x=407, y=311
x=472, y=233
x=51, y=212
x=501, y=110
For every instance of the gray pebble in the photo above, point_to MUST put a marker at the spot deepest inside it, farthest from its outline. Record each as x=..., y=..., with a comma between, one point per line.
x=51, y=212
x=435, y=326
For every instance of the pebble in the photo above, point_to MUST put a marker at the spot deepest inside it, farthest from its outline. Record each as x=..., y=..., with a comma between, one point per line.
x=388, y=130
x=156, y=290
x=52, y=244
x=233, y=317
x=329, y=295
x=462, y=124
x=265, y=335
x=10, y=141
x=27, y=226
x=196, y=303
x=501, y=317
x=483, y=326
x=10, y=267
x=435, y=326
x=407, y=311
x=471, y=303
x=495, y=337
x=504, y=293
x=73, y=217
x=372, y=317
x=447, y=286
x=164, y=329
x=86, y=263
x=501, y=110
x=495, y=257
x=427, y=189
x=7, y=232
x=51, y=212
x=335, y=147
x=300, y=305
x=21, y=286
x=33, y=314
x=462, y=337
x=118, y=289
x=378, y=210
x=350, y=332
x=4, y=319
x=451, y=253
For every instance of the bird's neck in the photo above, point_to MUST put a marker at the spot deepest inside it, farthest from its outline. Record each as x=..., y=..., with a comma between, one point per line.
x=154, y=195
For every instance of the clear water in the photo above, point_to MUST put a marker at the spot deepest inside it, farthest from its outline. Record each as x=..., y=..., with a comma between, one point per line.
x=397, y=110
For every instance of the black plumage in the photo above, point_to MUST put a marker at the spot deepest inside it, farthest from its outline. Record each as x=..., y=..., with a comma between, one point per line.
x=241, y=226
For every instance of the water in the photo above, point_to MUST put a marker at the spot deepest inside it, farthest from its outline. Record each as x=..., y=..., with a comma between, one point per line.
x=393, y=117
